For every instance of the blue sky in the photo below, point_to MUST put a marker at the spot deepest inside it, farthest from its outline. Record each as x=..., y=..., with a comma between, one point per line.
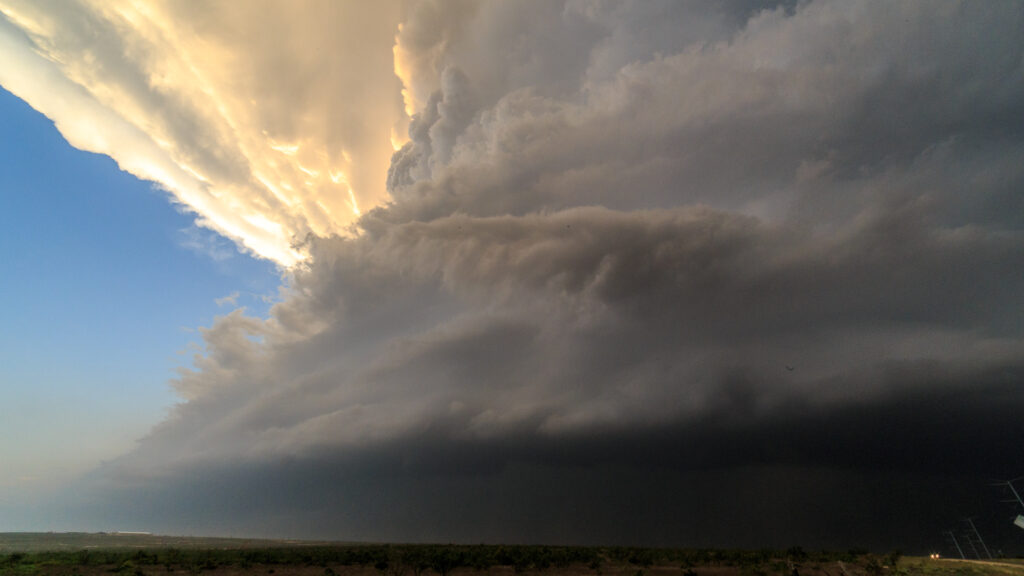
x=104, y=292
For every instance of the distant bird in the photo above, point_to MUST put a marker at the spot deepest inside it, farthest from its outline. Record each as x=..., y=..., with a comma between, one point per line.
x=790, y=368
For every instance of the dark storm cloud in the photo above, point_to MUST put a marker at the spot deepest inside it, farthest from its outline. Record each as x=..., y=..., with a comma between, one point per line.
x=666, y=489
x=704, y=276
x=459, y=351
x=811, y=112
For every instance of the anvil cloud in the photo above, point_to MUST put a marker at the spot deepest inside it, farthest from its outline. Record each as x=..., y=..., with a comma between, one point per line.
x=634, y=272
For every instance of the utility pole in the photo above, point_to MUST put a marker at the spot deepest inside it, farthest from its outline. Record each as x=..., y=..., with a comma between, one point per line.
x=978, y=534
x=1019, y=520
x=1013, y=489
x=957, y=544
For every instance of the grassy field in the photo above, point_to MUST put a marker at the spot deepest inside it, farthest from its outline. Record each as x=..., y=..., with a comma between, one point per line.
x=148, y=555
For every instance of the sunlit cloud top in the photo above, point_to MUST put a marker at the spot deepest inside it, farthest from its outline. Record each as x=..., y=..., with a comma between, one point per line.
x=265, y=119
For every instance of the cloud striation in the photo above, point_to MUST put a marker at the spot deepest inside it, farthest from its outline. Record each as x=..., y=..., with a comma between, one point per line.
x=642, y=272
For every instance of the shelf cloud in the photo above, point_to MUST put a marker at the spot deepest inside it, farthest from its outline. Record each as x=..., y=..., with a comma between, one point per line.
x=572, y=271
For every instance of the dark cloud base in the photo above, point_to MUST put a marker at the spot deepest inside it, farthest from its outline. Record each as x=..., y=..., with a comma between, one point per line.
x=893, y=473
